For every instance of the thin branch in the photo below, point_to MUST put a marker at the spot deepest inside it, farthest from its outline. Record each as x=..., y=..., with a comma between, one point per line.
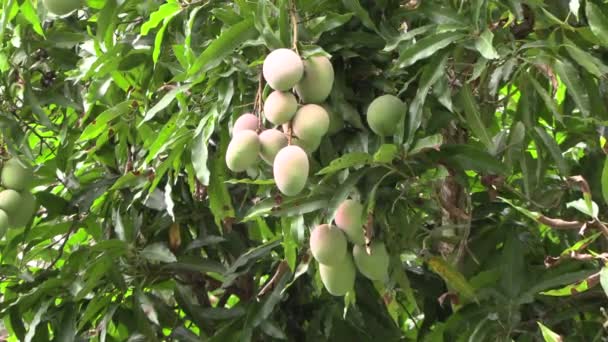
x=560, y=224
x=65, y=238
x=294, y=26
x=258, y=102
x=278, y=274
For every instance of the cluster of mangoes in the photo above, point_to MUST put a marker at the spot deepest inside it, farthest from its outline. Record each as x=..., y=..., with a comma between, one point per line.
x=298, y=126
x=17, y=204
x=62, y=7
x=329, y=246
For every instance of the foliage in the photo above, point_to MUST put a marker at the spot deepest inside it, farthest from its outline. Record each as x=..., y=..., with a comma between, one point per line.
x=490, y=197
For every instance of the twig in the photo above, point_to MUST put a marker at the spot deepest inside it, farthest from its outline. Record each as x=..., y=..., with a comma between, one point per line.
x=554, y=261
x=258, y=102
x=294, y=26
x=278, y=274
x=66, y=237
x=582, y=183
x=289, y=132
x=560, y=224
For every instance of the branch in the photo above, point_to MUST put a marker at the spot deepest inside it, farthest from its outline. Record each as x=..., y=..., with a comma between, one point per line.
x=278, y=274
x=294, y=26
x=66, y=237
x=560, y=224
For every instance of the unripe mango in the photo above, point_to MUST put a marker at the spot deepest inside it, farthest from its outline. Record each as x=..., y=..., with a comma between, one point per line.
x=375, y=265
x=318, y=79
x=280, y=106
x=62, y=7
x=282, y=69
x=3, y=223
x=384, y=114
x=310, y=123
x=348, y=218
x=245, y=122
x=27, y=209
x=290, y=170
x=271, y=142
x=328, y=244
x=16, y=175
x=10, y=201
x=340, y=278
x=243, y=151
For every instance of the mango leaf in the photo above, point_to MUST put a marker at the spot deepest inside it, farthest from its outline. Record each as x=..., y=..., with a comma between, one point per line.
x=483, y=44
x=361, y=13
x=548, y=334
x=166, y=10
x=223, y=45
x=426, y=47
x=158, y=252
x=473, y=117
x=200, y=151
x=348, y=160
x=100, y=123
x=29, y=13
x=554, y=150
x=604, y=279
x=598, y=22
x=164, y=102
x=570, y=76
x=544, y=95
x=432, y=142
x=605, y=181
x=452, y=277
x=582, y=206
x=386, y=154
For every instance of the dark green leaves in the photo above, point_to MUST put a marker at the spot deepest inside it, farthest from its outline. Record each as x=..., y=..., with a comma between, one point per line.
x=473, y=117
x=426, y=47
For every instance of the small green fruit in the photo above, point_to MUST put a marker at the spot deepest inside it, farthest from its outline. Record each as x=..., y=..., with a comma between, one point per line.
x=327, y=244
x=243, y=151
x=280, y=106
x=26, y=210
x=310, y=123
x=245, y=122
x=271, y=142
x=317, y=81
x=10, y=201
x=340, y=278
x=3, y=223
x=384, y=114
x=282, y=69
x=16, y=175
x=375, y=265
x=290, y=170
x=62, y=7
x=348, y=218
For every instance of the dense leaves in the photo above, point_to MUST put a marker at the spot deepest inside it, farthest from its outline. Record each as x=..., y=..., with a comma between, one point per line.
x=490, y=197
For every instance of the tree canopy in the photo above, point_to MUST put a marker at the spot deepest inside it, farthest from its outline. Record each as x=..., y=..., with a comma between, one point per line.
x=489, y=193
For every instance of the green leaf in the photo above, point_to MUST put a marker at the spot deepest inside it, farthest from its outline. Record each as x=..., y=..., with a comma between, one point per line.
x=430, y=75
x=166, y=10
x=548, y=334
x=199, y=149
x=355, y=7
x=100, y=123
x=570, y=76
x=544, y=95
x=605, y=180
x=452, y=277
x=513, y=265
x=386, y=154
x=426, y=47
x=593, y=65
x=348, y=160
x=604, y=279
x=220, y=201
x=29, y=13
x=582, y=206
x=472, y=158
x=598, y=22
x=164, y=102
x=158, y=252
x=554, y=150
x=432, y=142
x=473, y=117
x=569, y=290
x=229, y=40
x=158, y=39
x=483, y=44
x=36, y=320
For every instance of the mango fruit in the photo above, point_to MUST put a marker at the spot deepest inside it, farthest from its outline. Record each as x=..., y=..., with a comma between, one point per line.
x=245, y=122
x=375, y=265
x=10, y=202
x=280, y=107
x=328, y=244
x=309, y=145
x=243, y=151
x=318, y=79
x=16, y=175
x=338, y=279
x=349, y=218
x=26, y=211
x=282, y=69
x=384, y=114
x=3, y=223
x=271, y=142
x=310, y=123
x=290, y=170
